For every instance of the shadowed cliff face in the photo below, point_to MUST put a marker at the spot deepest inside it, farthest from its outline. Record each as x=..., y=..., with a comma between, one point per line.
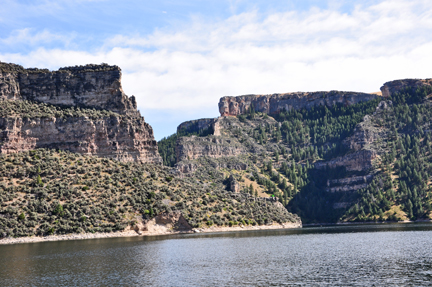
x=273, y=104
x=121, y=134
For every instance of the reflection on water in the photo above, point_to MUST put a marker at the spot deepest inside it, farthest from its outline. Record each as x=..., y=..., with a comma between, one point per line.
x=364, y=255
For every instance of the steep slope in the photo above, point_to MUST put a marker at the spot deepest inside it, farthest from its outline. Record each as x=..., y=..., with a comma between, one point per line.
x=82, y=109
x=58, y=192
x=326, y=162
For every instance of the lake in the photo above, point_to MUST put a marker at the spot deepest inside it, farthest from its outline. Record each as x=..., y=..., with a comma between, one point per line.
x=354, y=255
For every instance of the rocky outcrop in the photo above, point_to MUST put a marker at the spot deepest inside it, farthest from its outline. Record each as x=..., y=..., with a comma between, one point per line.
x=365, y=135
x=189, y=148
x=365, y=145
x=173, y=220
x=351, y=183
x=275, y=103
x=190, y=166
x=9, y=86
x=234, y=186
x=357, y=161
x=196, y=126
x=392, y=87
x=362, y=144
x=112, y=137
x=90, y=86
x=121, y=134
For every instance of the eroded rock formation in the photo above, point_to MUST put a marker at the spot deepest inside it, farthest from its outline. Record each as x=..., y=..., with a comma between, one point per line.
x=275, y=103
x=189, y=148
x=121, y=134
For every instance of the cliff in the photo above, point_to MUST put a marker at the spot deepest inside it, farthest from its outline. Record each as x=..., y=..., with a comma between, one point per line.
x=197, y=126
x=189, y=148
x=393, y=87
x=275, y=103
x=90, y=86
x=82, y=109
x=318, y=161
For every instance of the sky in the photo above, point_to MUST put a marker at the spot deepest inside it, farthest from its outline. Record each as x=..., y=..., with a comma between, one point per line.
x=180, y=57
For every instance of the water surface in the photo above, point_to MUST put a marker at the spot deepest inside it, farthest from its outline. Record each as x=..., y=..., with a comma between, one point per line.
x=366, y=255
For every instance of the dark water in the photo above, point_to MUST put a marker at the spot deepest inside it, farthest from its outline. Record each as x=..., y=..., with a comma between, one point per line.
x=389, y=255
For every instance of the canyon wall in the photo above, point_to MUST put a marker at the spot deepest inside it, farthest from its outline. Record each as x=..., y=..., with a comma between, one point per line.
x=121, y=133
x=275, y=103
x=189, y=148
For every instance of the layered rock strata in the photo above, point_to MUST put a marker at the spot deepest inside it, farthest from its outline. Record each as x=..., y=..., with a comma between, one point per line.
x=275, y=103
x=190, y=148
x=90, y=86
x=121, y=134
x=365, y=147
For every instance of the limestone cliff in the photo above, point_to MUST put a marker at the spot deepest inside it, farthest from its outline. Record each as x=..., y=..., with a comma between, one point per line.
x=90, y=86
x=195, y=147
x=82, y=109
x=275, y=103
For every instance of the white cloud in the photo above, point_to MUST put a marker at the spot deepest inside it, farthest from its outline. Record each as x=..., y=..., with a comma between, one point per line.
x=187, y=69
x=28, y=37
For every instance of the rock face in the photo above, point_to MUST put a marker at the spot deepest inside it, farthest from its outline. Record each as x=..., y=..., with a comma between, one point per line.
x=273, y=104
x=234, y=186
x=349, y=183
x=173, y=220
x=121, y=134
x=91, y=86
x=112, y=137
x=189, y=148
x=196, y=126
x=358, y=161
x=392, y=87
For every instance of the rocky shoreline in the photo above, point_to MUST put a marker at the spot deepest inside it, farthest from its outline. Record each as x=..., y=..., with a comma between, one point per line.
x=162, y=230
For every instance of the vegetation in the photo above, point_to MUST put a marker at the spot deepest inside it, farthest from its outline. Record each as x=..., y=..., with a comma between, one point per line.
x=284, y=149
x=14, y=68
x=166, y=145
x=29, y=109
x=406, y=168
x=58, y=192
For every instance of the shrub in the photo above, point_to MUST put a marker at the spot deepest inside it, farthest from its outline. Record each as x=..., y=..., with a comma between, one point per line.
x=58, y=210
x=21, y=216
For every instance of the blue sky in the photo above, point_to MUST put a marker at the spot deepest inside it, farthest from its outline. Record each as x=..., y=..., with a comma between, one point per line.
x=179, y=57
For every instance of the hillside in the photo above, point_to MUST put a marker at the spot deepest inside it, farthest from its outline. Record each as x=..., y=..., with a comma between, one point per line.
x=77, y=157
x=58, y=192
x=336, y=161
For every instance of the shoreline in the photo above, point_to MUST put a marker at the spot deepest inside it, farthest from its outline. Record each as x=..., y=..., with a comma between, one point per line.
x=130, y=233
x=364, y=223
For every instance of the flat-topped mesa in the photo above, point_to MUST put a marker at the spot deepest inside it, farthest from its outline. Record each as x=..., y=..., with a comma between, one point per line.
x=392, y=87
x=89, y=86
x=82, y=109
x=275, y=103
